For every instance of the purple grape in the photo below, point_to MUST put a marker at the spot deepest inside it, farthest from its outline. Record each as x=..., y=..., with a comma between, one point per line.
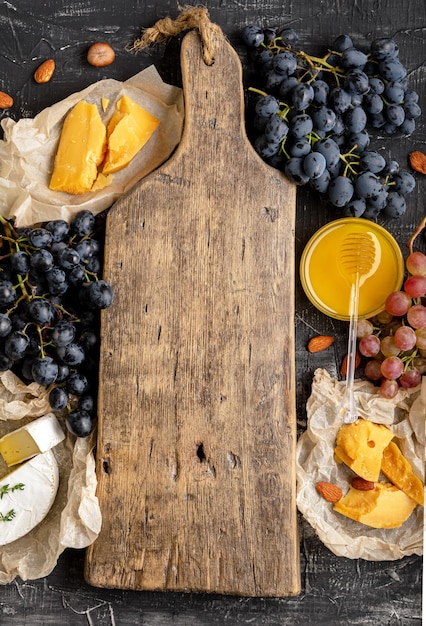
x=301, y=125
x=395, y=114
x=289, y=36
x=404, y=182
x=299, y=148
x=372, y=161
x=392, y=69
x=340, y=191
x=342, y=42
x=58, y=228
x=44, y=370
x=321, y=183
x=324, y=119
x=7, y=293
x=82, y=223
x=340, y=99
x=352, y=58
x=40, y=237
x=294, y=171
x=367, y=185
x=252, y=35
x=63, y=333
x=384, y=48
x=355, y=119
x=79, y=423
x=356, y=82
x=396, y=205
x=15, y=345
x=302, y=96
x=314, y=165
x=58, y=398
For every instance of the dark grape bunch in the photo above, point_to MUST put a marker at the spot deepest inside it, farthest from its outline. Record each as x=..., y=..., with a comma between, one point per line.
x=310, y=117
x=394, y=343
x=50, y=298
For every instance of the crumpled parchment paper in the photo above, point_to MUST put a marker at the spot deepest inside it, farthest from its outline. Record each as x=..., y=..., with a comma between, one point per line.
x=74, y=521
x=29, y=147
x=405, y=416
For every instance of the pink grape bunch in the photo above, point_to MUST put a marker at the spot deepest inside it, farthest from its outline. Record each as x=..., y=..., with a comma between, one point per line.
x=394, y=342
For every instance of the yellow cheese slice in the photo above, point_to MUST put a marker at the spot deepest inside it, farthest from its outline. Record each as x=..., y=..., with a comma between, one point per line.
x=360, y=445
x=36, y=437
x=398, y=470
x=129, y=128
x=27, y=495
x=81, y=150
x=385, y=506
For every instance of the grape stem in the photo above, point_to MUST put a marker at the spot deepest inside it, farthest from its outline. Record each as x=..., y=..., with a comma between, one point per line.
x=415, y=234
x=350, y=159
x=313, y=62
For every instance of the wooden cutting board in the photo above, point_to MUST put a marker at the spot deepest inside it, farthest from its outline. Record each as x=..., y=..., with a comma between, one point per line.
x=197, y=420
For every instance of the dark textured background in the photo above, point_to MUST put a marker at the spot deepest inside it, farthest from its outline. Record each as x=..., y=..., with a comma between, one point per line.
x=335, y=591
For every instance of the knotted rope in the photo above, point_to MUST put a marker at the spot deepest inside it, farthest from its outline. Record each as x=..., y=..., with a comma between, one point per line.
x=190, y=17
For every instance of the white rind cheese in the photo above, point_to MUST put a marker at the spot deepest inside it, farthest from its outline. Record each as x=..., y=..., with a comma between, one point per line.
x=39, y=478
x=36, y=437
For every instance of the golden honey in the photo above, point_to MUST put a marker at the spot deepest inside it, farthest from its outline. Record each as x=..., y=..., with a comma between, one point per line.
x=326, y=284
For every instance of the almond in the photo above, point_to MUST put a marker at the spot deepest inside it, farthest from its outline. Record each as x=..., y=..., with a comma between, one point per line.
x=100, y=54
x=44, y=72
x=361, y=484
x=321, y=342
x=418, y=161
x=330, y=492
x=344, y=367
x=6, y=101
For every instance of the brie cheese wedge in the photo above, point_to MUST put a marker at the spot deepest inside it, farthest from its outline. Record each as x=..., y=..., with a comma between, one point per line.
x=36, y=437
x=27, y=495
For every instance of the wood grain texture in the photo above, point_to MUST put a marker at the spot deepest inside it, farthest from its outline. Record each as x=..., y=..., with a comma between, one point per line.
x=197, y=416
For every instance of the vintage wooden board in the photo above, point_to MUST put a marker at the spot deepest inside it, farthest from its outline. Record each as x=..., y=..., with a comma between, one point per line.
x=196, y=438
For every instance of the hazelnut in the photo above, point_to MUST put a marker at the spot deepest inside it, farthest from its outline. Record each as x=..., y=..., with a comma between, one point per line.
x=100, y=54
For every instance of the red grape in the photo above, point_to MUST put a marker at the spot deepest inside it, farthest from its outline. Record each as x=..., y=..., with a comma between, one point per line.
x=421, y=338
x=405, y=338
x=388, y=346
x=415, y=286
x=419, y=362
x=416, y=316
x=384, y=317
x=392, y=367
x=389, y=388
x=369, y=345
x=410, y=378
x=398, y=303
x=416, y=263
x=365, y=327
x=373, y=370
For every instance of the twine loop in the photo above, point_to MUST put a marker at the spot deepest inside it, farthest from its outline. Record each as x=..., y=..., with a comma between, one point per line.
x=189, y=18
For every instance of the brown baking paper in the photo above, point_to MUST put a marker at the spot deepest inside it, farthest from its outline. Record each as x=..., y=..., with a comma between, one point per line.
x=405, y=416
x=29, y=147
x=74, y=521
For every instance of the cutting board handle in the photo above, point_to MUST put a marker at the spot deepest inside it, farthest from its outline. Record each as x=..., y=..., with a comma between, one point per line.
x=214, y=98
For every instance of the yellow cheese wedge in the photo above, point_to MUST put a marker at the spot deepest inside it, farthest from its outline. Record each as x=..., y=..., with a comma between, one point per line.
x=34, y=438
x=385, y=506
x=102, y=181
x=398, y=470
x=360, y=445
x=104, y=103
x=129, y=129
x=81, y=150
